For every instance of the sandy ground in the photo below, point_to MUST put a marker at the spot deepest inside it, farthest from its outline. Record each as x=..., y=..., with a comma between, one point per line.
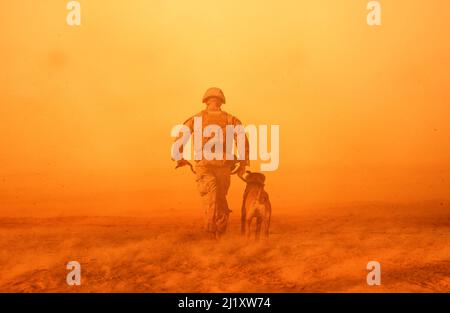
x=324, y=251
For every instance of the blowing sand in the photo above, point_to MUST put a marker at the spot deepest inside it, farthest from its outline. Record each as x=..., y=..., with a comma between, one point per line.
x=323, y=251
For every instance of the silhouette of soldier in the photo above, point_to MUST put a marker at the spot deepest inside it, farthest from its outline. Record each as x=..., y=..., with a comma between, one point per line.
x=213, y=174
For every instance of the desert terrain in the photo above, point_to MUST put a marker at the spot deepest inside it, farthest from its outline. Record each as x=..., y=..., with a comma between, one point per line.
x=323, y=250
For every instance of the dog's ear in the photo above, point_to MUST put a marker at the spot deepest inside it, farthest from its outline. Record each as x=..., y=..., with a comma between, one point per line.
x=248, y=172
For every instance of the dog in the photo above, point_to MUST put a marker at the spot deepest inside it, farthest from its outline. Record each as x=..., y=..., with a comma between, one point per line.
x=255, y=204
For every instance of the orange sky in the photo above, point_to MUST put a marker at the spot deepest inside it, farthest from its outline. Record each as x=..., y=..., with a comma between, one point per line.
x=86, y=112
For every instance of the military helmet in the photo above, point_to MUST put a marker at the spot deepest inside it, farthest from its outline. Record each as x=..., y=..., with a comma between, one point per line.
x=213, y=92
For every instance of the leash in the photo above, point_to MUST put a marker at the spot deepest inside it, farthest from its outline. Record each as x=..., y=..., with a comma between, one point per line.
x=186, y=163
x=233, y=172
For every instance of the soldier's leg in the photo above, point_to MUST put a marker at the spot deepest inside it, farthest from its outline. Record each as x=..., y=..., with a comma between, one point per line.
x=222, y=210
x=259, y=221
x=207, y=186
x=248, y=222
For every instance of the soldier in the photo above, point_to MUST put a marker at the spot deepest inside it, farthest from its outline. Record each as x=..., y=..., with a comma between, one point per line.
x=213, y=175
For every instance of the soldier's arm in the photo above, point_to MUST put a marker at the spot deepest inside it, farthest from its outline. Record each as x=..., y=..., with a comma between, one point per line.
x=190, y=124
x=246, y=152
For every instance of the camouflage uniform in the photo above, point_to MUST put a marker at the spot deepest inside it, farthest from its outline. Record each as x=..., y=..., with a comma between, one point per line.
x=213, y=176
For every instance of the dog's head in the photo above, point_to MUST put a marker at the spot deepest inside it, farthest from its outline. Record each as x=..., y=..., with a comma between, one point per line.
x=255, y=178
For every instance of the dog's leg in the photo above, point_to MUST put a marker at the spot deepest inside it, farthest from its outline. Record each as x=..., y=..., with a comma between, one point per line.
x=243, y=226
x=243, y=213
x=266, y=226
x=268, y=214
x=243, y=219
